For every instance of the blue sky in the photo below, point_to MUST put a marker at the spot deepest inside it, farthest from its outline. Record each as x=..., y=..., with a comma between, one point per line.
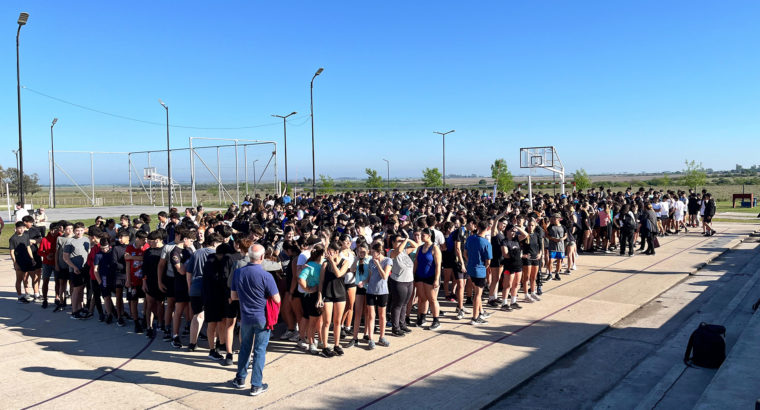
x=616, y=87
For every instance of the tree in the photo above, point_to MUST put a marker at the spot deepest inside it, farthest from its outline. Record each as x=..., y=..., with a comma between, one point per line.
x=694, y=175
x=500, y=173
x=432, y=177
x=373, y=179
x=328, y=184
x=582, y=180
x=31, y=182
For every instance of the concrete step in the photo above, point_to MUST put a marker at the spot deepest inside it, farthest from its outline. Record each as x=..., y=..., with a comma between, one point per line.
x=737, y=383
x=663, y=378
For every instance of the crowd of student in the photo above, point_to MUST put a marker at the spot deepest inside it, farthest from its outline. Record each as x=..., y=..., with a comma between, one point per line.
x=368, y=264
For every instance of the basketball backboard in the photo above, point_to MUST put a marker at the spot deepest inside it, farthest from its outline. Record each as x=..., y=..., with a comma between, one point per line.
x=538, y=157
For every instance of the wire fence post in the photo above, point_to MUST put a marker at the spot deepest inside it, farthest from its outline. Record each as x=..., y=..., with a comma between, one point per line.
x=237, y=178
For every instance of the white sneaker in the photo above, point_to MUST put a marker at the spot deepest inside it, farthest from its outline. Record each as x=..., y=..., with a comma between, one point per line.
x=302, y=344
x=534, y=297
x=574, y=268
x=528, y=299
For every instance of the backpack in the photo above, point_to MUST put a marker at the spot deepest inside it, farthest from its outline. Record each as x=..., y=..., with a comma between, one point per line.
x=708, y=344
x=629, y=221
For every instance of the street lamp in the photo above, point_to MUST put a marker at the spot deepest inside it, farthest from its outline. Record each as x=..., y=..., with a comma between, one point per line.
x=22, y=18
x=443, y=134
x=168, y=152
x=52, y=159
x=285, y=135
x=388, y=166
x=313, y=164
x=254, y=177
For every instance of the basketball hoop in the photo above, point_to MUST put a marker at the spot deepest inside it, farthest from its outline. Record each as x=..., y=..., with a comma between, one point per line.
x=545, y=158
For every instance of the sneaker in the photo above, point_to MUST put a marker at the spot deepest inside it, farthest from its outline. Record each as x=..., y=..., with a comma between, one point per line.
x=436, y=324
x=227, y=360
x=44, y=304
x=327, y=352
x=477, y=322
x=371, y=345
x=150, y=333
x=287, y=335
x=556, y=277
x=515, y=306
x=256, y=390
x=405, y=329
x=398, y=333
x=22, y=300
x=539, y=292
x=238, y=384
x=485, y=315
x=338, y=350
x=30, y=298
x=567, y=271
x=177, y=343
x=302, y=344
x=352, y=343
x=493, y=303
x=167, y=337
x=138, y=328
x=383, y=342
x=191, y=347
x=214, y=355
x=313, y=349
x=460, y=314
x=573, y=268
x=505, y=307
x=109, y=319
x=527, y=299
x=75, y=315
x=295, y=336
x=121, y=322
x=534, y=297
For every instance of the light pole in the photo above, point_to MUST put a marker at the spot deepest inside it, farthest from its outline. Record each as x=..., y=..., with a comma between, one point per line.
x=313, y=164
x=388, y=179
x=285, y=136
x=443, y=134
x=22, y=18
x=168, y=152
x=52, y=159
x=254, y=178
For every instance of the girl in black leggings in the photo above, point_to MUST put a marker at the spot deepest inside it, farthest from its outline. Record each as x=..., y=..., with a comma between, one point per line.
x=401, y=281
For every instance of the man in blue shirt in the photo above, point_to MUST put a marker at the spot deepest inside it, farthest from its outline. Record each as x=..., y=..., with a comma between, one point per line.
x=479, y=253
x=253, y=286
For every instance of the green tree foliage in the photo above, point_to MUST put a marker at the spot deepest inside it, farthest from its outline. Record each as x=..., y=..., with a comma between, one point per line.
x=373, y=179
x=432, y=177
x=582, y=180
x=327, y=183
x=694, y=174
x=31, y=182
x=500, y=173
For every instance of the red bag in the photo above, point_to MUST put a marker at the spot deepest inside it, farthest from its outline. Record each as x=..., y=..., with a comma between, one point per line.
x=273, y=313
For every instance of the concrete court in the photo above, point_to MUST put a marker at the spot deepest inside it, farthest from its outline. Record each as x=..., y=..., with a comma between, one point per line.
x=87, y=364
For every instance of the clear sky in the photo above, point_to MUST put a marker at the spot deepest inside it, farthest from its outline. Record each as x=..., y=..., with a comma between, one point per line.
x=615, y=86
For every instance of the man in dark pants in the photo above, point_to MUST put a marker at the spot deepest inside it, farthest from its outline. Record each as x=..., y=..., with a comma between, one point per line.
x=627, y=224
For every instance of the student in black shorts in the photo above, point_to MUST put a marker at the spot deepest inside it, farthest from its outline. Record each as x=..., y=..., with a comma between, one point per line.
x=231, y=262
x=215, y=298
x=153, y=294
x=120, y=272
x=105, y=277
x=183, y=250
x=334, y=294
x=23, y=260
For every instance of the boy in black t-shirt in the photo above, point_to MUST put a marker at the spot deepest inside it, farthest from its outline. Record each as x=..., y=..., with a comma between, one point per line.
x=153, y=294
x=23, y=260
x=105, y=275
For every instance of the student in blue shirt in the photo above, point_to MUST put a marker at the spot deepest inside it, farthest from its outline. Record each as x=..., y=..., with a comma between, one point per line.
x=479, y=253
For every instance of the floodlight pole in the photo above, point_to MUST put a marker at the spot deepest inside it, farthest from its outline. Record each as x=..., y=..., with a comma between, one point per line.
x=255, y=181
x=388, y=179
x=168, y=153
x=22, y=19
x=285, y=138
x=52, y=163
x=443, y=134
x=313, y=163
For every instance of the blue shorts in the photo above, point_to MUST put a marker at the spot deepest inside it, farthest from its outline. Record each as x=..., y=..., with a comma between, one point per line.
x=557, y=255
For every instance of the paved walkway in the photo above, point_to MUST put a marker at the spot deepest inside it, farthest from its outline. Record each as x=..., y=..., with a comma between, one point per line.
x=87, y=364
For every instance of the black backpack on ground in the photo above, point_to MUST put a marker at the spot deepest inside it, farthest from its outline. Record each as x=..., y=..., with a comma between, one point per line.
x=708, y=344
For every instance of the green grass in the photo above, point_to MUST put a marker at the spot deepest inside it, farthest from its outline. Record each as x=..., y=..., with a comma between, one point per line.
x=739, y=221
x=725, y=206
